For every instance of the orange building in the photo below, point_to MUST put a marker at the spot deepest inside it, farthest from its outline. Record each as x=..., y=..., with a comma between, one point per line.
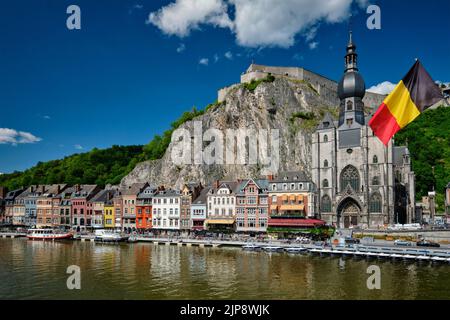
x=144, y=209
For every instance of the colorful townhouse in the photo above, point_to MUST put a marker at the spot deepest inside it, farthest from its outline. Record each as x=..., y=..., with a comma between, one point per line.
x=222, y=207
x=252, y=206
x=47, y=205
x=189, y=192
x=81, y=207
x=3, y=192
x=117, y=201
x=18, y=218
x=109, y=217
x=25, y=206
x=166, y=205
x=9, y=205
x=199, y=210
x=98, y=203
x=31, y=197
x=144, y=209
x=129, y=200
x=65, y=208
x=291, y=203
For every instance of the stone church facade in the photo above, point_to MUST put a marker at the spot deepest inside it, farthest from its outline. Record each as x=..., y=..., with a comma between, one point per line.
x=359, y=181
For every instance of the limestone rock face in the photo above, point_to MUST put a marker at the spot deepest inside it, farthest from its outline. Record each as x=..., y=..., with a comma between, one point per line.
x=272, y=105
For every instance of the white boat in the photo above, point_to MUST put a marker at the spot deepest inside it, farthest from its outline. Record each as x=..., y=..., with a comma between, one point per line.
x=251, y=247
x=108, y=236
x=272, y=249
x=295, y=250
x=48, y=234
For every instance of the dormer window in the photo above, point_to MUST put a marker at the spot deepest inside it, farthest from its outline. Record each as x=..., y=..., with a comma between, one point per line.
x=326, y=124
x=349, y=122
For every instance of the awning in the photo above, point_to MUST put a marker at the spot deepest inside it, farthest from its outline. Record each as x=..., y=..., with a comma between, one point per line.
x=285, y=198
x=279, y=222
x=220, y=221
x=273, y=207
x=298, y=207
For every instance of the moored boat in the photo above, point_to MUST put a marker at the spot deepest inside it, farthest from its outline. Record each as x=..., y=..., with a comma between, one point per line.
x=251, y=247
x=272, y=249
x=108, y=236
x=296, y=250
x=48, y=234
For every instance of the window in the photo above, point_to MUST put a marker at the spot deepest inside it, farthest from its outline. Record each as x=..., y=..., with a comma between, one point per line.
x=375, y=159
x=325, y=164
x=376, y=181
x=349, y=106
x=326, y=204
x=325, y=183
x=375, y=203
x=350, y=177
x=325, y=138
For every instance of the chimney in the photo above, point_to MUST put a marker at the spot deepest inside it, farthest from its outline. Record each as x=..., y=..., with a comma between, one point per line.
x=78, y=188
x=216, y=184
x=31, y=189
x=2, y=192
x=270, y=177
x=58, y=190
x=43, y=188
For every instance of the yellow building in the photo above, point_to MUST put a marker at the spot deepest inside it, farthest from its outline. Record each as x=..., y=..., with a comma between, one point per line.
x=109, y=216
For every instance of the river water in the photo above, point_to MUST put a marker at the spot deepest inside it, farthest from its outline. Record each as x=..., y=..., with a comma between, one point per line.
x=37, y=270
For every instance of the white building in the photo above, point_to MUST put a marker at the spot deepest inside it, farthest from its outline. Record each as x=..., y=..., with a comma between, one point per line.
x=199, y=210
x=222, y=206
x=166, y=206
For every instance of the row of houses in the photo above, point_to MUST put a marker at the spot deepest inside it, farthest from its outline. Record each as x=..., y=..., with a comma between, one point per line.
x=276, y=203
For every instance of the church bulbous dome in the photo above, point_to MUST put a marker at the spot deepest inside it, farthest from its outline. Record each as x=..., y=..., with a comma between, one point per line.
x=351, y=85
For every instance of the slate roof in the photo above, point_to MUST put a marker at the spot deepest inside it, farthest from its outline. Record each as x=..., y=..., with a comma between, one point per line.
x=290, y=176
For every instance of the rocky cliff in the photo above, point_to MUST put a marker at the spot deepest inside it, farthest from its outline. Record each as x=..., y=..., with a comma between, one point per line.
x=293, y=107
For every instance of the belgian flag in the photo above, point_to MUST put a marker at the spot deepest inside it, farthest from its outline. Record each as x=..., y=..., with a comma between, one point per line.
x=413, y=95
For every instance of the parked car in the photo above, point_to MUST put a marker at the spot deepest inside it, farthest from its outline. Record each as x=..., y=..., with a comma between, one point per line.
x=403, y=243
x=425, y=243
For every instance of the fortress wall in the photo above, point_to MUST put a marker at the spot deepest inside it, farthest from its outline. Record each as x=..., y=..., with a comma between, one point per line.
x=373, y=100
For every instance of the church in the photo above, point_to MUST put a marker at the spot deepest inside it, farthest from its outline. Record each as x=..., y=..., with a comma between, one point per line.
x=360, y=182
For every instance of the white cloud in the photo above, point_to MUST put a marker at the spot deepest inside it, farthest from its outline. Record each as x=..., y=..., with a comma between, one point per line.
x=382, y=88
x=257, y=23
x=182, y=16
x=47, y=117
x=229, y=55
x=204, y=61
x=78, y=147
x=181, y=48
x=14, y=137
x=313, y=45
x=216, y=58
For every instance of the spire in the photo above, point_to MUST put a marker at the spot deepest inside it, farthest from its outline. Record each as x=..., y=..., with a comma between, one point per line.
x=351, y=58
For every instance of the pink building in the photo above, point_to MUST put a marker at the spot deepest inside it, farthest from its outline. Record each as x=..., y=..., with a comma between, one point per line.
x=82, y=210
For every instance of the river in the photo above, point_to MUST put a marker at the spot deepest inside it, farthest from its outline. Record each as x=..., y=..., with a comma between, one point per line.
x=37, y=270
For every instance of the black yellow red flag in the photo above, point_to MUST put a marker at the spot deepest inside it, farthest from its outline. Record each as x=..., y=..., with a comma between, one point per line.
x=413, y=95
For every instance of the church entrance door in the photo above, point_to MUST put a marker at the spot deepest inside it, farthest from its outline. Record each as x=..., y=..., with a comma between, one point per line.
x=349, y=212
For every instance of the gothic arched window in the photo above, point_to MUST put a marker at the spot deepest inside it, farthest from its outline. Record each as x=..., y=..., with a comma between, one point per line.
x=375, y=159
x=375, y=203
x=376, y=181
x=325, y=204
x=350, y=177
x=325, y=164
x=349, y=106
x=325, y=138
x=325, y=183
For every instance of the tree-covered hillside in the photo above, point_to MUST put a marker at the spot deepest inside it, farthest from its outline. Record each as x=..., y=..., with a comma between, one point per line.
x=94, y=167
x=428, y=140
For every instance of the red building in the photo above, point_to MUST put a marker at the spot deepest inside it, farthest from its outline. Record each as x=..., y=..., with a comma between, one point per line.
x=144, y=209
x=82, y=209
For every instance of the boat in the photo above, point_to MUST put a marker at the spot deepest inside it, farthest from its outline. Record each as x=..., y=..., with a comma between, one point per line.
x=48, y=234
x=133, y=239
x=296, y=250
x=108, y=236
x=251, y=247
x=272, y=249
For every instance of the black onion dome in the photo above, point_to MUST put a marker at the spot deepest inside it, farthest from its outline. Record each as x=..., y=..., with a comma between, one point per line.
x=351, y=85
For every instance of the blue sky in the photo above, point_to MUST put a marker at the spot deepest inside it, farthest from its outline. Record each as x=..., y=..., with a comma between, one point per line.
x=126, y=75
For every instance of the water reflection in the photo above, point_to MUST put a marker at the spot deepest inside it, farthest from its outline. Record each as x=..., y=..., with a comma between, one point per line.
x=145, y=271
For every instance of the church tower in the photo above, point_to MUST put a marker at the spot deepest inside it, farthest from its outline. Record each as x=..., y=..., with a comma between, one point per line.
x=351, y=91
